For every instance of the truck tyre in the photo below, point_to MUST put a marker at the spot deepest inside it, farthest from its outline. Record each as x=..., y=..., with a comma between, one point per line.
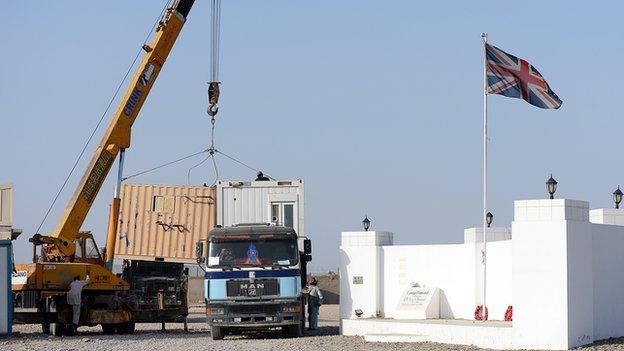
x=294, y=330
x=70, y=329
x=109, y=328
x=42, y=306
x=57, y=329
x=216, y=333
x=126, y=328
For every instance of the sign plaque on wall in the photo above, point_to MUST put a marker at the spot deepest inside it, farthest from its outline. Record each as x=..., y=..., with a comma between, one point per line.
x=358, y=279
x=418, y=303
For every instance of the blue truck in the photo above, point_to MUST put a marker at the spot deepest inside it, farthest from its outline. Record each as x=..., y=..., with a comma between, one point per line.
x=254, y=276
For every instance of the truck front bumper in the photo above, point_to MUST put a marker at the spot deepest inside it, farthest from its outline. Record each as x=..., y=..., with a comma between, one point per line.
x=254, y=314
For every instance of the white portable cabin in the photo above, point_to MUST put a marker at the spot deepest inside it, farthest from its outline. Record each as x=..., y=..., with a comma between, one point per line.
x=277, y=202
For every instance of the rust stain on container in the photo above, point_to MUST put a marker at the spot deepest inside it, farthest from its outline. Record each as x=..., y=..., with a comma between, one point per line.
x=164, y=221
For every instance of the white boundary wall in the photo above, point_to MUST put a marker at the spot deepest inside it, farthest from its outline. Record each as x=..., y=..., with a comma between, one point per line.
x=386, y=271
x=565, y=280
x=608, y=282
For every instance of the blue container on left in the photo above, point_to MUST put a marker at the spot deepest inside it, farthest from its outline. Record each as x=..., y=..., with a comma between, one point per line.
x=6, y=295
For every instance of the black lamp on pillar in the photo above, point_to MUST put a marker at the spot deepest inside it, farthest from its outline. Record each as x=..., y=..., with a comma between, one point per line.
x=617, y=197
x=366, y=223
x=552, y=186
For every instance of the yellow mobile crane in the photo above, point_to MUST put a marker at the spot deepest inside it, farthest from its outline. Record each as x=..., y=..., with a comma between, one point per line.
x=67, y=252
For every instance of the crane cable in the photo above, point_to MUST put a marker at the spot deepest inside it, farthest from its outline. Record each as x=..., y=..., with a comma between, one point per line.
x=215, y=36
x=212, y=110
x=97, y=126
x=213, y=86
x=162, y=165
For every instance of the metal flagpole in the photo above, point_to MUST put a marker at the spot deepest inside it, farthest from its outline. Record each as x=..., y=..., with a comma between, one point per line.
x=483, y=310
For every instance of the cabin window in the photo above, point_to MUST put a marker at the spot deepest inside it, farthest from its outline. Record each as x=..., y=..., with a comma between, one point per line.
x=163, y=204
x=283, y=213
x=91, y=249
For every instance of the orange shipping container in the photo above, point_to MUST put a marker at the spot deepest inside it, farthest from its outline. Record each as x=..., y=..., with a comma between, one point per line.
x=163, y=222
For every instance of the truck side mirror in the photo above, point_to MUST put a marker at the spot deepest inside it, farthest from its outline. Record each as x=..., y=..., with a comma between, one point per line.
x=199, y=252
x=307, y=246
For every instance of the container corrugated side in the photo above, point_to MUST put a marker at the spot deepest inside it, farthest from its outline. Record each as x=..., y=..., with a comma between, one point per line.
x=163, y=221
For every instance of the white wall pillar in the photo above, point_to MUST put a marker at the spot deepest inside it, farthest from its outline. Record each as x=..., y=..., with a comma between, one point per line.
x=552, y=274
x=474, y=237
x=361, y=272
x=607, y=216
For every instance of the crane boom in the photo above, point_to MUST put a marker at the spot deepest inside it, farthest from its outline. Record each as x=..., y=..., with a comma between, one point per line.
x=117, y=136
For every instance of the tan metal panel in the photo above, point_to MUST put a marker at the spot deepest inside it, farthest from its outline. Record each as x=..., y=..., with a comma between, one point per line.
x=163, y=221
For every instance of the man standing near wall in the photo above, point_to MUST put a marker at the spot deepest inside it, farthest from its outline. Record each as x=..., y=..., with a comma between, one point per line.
x=74, y=298
x=315, y=300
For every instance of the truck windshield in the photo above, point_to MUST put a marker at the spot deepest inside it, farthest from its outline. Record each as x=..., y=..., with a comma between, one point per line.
x=253, y=253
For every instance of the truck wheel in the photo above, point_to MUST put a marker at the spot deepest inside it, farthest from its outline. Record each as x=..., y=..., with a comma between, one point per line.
x=70, y=329
x=109, y=328
x=126, y=328
x=216, y=333
x=294, y=330
x=57, y=329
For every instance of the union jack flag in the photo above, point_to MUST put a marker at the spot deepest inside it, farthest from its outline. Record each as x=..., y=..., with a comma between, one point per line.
x=514, y=77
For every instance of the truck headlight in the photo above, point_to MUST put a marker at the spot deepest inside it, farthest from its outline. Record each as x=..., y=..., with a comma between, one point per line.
x=291, y=308
x=215, y=311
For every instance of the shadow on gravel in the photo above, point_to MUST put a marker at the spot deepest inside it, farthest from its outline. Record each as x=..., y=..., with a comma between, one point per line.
x=96, y=335
x=277, y=334
x=611, y=341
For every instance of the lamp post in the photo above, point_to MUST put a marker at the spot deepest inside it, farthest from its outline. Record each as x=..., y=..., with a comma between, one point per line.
x=617, y=197
x=552, y=186
x=366, y=223
x=489, y=217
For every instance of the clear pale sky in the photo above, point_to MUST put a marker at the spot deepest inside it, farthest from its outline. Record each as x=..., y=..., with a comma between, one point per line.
x=377, y=105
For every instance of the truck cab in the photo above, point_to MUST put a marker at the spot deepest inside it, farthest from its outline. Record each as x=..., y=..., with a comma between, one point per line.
x=254, y=278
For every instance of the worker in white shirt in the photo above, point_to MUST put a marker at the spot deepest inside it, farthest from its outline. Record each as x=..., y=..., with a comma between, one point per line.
x=315, y=300
x=74, y=297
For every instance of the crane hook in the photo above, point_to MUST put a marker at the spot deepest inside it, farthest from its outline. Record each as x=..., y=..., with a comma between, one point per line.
x=212, y=110
x=213, y=98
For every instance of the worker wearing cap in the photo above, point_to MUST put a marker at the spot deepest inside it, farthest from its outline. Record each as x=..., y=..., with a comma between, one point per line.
x=74, y=297
x=315, y=300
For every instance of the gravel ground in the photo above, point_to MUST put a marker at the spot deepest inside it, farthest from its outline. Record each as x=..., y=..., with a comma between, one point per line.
x=149, y=337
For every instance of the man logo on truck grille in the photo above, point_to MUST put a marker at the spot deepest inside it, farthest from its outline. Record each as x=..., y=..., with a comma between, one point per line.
x=250, y=289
